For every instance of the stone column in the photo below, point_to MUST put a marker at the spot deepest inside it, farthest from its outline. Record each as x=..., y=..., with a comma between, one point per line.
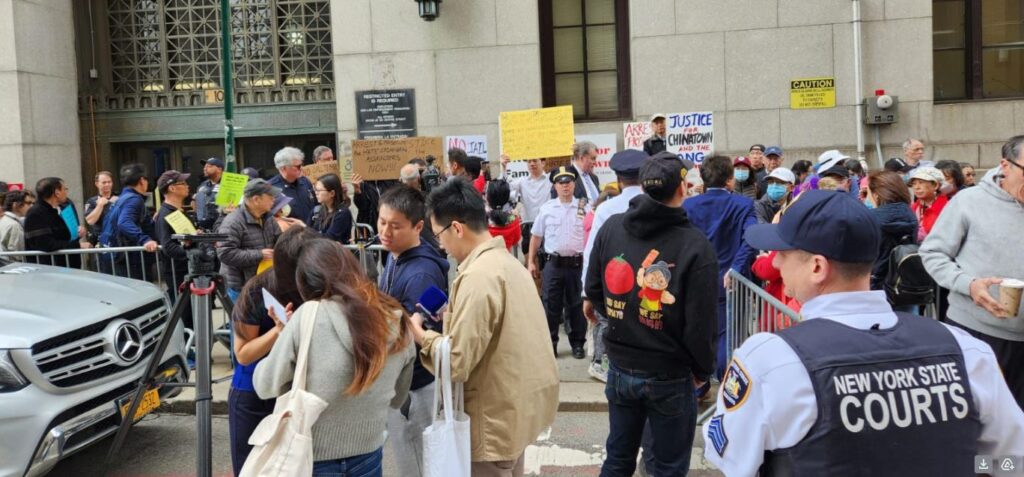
x=39, y=134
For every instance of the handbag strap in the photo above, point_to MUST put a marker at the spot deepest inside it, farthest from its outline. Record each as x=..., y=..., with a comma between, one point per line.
x=443, y=389
x=308, y=319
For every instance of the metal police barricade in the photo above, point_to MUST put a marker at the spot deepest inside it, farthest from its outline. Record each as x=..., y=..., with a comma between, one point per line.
x=749, y=309
x=92, y=259
x=369, y=256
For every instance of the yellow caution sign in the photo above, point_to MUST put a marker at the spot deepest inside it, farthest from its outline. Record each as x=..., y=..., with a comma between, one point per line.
x=812, y=93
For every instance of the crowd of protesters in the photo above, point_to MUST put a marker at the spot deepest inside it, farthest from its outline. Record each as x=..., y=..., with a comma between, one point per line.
x=649, y=260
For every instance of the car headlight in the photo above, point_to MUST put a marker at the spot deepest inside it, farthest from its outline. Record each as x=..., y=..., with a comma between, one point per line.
x=10, y=378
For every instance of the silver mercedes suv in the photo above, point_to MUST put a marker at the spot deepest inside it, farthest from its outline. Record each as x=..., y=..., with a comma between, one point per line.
x=73, y=345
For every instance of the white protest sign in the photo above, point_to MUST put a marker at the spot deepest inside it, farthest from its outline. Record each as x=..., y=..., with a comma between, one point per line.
x=634, y=134
x=473, y=145
x=690, y=135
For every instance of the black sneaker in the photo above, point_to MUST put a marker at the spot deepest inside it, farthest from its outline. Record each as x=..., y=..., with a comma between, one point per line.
x=578, y=352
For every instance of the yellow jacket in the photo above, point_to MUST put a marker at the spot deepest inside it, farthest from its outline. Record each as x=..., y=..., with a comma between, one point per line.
x=501, y=350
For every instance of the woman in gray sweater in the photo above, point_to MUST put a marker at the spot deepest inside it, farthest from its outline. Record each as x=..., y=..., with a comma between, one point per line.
x=360, y=360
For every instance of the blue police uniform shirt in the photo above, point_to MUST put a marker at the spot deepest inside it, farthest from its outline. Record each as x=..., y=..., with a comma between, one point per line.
x=768, y=403
x=302, y=194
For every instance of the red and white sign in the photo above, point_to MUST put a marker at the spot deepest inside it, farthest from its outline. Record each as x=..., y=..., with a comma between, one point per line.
x=634, y=134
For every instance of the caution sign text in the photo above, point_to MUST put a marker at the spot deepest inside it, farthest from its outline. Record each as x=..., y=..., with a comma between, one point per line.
x=812, y=93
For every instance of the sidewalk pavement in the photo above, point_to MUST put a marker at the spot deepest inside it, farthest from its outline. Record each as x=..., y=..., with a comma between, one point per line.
x=578, y=391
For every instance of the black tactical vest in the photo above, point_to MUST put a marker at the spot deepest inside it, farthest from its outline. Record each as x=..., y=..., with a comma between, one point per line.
x=890, y=402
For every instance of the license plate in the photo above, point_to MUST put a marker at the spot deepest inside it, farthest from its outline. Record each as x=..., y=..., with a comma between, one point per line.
x=150, y=401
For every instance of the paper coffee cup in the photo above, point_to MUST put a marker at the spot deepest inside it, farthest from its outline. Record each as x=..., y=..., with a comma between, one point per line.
x=1010, y=291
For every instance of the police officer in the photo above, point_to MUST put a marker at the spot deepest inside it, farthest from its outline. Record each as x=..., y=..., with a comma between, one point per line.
x=559, y=226
x=854, y=388
x=206, y=196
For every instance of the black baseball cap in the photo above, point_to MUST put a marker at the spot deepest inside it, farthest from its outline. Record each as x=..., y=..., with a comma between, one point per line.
x=169, y=178
x=829, y=223
x=213, y=161
x=897, y=165
x=687, y=164
x=660, y=178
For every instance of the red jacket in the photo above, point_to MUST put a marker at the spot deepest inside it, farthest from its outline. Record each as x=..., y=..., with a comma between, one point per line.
x=926, y=216
x=512, y=233
x=764, y=270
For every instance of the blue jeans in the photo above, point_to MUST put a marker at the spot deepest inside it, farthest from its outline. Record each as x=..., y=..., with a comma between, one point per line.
x=245, y=411
x=233, y=294
x=366, y=465
x=666, y=404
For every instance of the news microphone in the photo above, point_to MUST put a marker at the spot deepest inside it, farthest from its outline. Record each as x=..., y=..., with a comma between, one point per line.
x=431, y=302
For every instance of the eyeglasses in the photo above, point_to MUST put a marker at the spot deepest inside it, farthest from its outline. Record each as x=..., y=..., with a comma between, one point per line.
x=437, y=236
x=1014, y=163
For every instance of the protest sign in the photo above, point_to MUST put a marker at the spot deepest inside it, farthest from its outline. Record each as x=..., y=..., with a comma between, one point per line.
x=518, y=169
x=314, y=171
x=536, y=133
x=231, y=187
x=690, y=135
x=180, y=224
x=473, y=145
x=605, y=149
x=381, y=159
x=634, y=134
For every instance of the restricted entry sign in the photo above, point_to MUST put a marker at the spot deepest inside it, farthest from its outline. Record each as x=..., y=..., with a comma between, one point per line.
x=812, y=93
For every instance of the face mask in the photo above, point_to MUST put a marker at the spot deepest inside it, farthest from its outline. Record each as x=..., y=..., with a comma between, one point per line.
x=776, y=191
x=869, y=203
x=741, y=175
x=946, y=188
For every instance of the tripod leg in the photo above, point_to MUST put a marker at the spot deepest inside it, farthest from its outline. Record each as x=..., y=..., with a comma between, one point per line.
x=154, y=363
x=229, y=307
x=200, y=289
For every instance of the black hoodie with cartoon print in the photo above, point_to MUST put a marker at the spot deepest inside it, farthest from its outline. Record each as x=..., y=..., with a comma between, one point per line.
x=656, y=280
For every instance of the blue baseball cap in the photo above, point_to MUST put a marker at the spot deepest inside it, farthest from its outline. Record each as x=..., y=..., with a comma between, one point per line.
x=776, y=150
x=627, y=163
x=828, y=223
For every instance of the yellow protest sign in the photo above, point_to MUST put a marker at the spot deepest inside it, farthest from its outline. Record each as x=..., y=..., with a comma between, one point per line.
x=537, y=133
x=264, y=265
x=314, y=171
x=231, y=187
x=180, y=223
x=812, y=93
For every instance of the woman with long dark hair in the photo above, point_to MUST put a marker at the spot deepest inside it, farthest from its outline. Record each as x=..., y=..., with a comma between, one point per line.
x=255, y=332
x=332, y=218
x=502, y=220
x=954, y=177
x=360, y=359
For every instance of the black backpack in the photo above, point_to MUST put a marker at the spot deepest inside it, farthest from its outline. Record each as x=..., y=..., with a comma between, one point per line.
x=907, y=282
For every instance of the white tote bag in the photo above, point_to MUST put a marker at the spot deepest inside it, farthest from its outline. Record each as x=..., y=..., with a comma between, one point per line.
x=283, y=441
x=446, y=442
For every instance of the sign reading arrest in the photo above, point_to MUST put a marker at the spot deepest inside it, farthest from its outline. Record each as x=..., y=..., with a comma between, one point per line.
x=812, y=93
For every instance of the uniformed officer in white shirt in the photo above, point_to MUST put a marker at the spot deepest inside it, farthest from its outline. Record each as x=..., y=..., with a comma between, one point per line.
x=854, y=389
x=559, y=226
x=533, y=191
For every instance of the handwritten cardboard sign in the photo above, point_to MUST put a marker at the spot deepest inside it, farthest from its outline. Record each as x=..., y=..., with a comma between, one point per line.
x=381, y=159
x=690, y=135
x=315, y=171
x=536, y=133
x=634, y=134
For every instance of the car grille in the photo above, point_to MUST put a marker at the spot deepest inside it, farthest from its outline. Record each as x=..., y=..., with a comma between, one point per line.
x=80, y=356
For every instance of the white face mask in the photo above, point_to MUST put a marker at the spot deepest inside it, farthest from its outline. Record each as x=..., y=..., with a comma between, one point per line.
x=947, y=188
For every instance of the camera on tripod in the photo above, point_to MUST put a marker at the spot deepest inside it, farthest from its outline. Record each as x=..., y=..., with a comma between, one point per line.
x=201, y=251
x=431, y=177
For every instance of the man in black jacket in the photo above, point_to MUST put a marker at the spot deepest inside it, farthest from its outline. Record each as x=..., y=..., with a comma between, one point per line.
x=173, y=257
x=656, y=277
x=45, y=229
x=656, y=143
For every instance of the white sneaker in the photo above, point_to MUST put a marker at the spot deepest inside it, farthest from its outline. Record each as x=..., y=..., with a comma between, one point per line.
x=596, y=371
